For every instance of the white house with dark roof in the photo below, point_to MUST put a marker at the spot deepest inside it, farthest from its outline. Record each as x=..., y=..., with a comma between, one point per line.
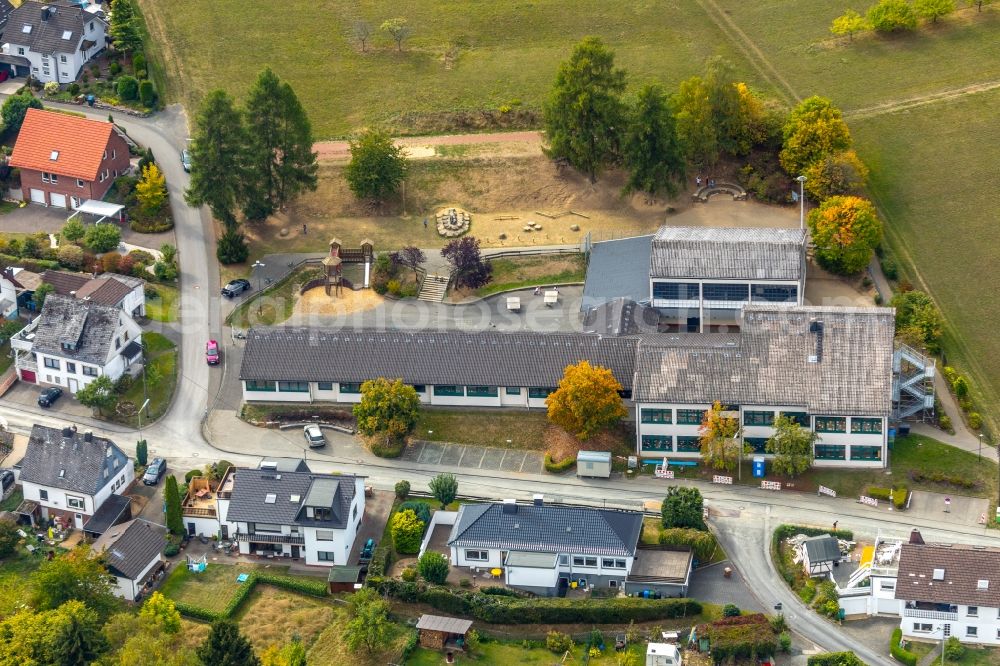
x=949, y=590
x=51, y=41
x=828, y=368
x=73, y=341
x=544, y=548
x=481, y=369
x=133, y=553
x=120, y=291
x=292, y=514
x=72, y=474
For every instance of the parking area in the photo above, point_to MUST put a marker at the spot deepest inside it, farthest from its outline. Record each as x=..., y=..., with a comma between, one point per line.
x=377, y=508
x=710, y=585
x=33, y=218
x=466, y=456
x=24, y=395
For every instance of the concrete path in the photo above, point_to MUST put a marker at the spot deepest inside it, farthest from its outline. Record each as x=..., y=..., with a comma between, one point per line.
x=341, y=150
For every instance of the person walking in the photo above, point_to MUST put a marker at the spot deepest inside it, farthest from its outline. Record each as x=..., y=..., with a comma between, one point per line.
x=425, y=223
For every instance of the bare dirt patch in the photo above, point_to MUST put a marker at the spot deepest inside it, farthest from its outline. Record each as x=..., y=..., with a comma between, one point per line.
x=560, y=444
x=316, y=302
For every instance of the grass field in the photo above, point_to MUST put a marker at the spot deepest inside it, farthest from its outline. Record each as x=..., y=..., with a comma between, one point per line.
x=164, y=306
x=520, y=272
x=941, y=213
x=161, y=357
x=466, y=56
x=522, y=429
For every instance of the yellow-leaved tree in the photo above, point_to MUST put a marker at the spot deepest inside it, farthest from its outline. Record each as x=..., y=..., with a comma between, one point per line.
x=587, y=400
x=845, y=232
x=151, y=190
x=719, y=437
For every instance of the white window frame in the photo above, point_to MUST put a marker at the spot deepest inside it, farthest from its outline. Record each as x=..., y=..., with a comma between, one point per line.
x=585, y=561
x=324, y=535
x=972, y=611
x=73, y=502
x=476, y=555
x=79, y=182
x=326, y=556
x=43, y=494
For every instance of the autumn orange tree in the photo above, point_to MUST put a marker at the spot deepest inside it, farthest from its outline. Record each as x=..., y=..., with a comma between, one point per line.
x=815, y=129
x=719, y=437
x=845, y=232
x=587, y=400
x=836, y=174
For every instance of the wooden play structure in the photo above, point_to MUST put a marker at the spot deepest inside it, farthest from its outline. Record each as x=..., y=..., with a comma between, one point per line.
x=333, y=263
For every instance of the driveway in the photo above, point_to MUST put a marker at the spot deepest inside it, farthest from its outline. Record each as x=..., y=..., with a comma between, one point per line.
x=710, y=585
x=25, y=396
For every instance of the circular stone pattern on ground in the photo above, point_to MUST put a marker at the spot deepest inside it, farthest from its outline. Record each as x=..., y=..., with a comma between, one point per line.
x=452, y=222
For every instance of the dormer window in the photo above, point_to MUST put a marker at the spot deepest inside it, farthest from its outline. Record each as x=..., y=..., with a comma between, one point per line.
x=322, y=513
x=26, y=29
x=67, y=34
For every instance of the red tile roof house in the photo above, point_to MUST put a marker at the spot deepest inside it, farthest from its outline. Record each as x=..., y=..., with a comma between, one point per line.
x=65, y=160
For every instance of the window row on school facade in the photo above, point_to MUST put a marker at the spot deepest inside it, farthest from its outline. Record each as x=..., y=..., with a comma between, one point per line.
x=823, y=424
x=661, y=444
x=443, y=390
x=730, y=292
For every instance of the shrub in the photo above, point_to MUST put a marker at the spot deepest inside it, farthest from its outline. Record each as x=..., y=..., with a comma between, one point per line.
x=808, y=591
x=498, y=591
x=945, y=422
x=51, y=88
x=409, y=574
x=748, y=637
x=138, y=62
x=191, y=474
x=889, y=268
x=899, y=653
x=420, y=509
x=402, y=489
x=115, y=68
x=171, y=549
x=940, y=477
x=381, y=559
x=785, y=641
x=975, y=420
x=433, y=567
x=147, y=93
x=730, y=610
x=953, y=649
x=834, y=659
x=103, y=237
x=407, y=531
x=392, y=286
x=73, y=89
x=128, y=88
x=701, y=542
x=110, y=262
x=70, y=256
x=558, y=467
x=778, y=623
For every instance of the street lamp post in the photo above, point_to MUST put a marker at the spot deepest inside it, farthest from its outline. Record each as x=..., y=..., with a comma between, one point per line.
x=260, y=304
x=802, y=202
x=980, y=447
x=139, y=414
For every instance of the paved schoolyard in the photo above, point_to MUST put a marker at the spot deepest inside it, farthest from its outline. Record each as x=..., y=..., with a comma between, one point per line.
x=466, y=456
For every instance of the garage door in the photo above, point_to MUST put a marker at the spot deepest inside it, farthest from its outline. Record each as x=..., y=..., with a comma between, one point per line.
x=57, y=200
x=38, y=196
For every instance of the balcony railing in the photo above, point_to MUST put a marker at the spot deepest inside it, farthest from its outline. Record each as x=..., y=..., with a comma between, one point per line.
x=270, y=538
x=207, y=512
x=929, y=614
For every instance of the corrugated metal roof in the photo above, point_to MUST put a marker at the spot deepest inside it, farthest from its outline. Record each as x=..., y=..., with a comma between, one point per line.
x=728, y=253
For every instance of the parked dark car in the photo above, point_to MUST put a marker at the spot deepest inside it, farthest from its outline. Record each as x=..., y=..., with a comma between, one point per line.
x=6, y=480
x=48, y=396
x=235, y=288
x=367, y=551
x=154, y=471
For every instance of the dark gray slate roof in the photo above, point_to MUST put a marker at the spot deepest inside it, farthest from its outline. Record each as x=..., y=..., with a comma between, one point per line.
x=89, y=326
x=293, y=491
x=547, y=529
x=6, y=8
x=617, y=268
x=81, y=462
x=721, y=253
x=115, y=509
x=621, y=316
x=284, y=465
x=823, y=548
x=131, y=546
x=488, y=358
x=768, y=362
x=47, y=36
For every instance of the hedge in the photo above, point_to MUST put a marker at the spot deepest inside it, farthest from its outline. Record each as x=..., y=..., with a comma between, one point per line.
x=898, y=653
x=381, y=558
x=702, y=543
x=33, y=265
x=531, y=610
x=745, y=637
x=835, y=659
x=558, y=467
x=898, y=495
x=316, y=588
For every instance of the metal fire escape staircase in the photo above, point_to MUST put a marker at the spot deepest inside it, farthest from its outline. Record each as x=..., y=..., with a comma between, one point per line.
x=912, y=383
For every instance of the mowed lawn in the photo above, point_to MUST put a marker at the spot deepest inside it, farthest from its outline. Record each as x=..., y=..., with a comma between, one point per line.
x=795, y=38
x=463, y=56
x=934, y=174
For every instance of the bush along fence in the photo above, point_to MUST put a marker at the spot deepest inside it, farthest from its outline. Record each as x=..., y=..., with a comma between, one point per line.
x=898, y=652
x=502, y=609
x=315, y=588
x=785, y=569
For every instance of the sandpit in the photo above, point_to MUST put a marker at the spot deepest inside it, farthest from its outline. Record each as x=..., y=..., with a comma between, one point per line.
x=316, y=302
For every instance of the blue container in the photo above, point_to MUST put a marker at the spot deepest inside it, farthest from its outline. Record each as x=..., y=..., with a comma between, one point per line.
x=90, y=100
x=759, y=467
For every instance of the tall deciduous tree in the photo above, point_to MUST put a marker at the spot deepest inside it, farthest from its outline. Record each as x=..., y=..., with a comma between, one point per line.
x=815, y=128
x=172, y=497
x=76, y=635
x=650, y=150
x=124, y=27
x=226, y=646
x=934, y=9
x=835, y=174
x=584, y=113
x=918, y=320
x=279, y=160
x=377, y=167
x=719, y=436
x=444, y=488
x=216, y=150
x=697, y=135
x=468, y=267
x=73, y=577
x=848, y=23
x=362, y=31
x=161, y=611
x=151, y=190
x=792, y=446
x=15, y=108
x=845, y=231
x=387, y=407
x=683, y=507
x=723, y=96
x=368, y=627
x=411, y=257
x=892, y=16
x=587, y=401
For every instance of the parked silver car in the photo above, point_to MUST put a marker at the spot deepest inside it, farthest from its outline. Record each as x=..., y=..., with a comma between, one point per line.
x=314, y=436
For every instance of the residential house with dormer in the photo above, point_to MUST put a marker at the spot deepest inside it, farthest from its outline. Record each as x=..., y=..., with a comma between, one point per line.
x=51, y=41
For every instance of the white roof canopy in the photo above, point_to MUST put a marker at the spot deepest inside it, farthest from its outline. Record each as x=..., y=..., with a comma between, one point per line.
x=101, y=209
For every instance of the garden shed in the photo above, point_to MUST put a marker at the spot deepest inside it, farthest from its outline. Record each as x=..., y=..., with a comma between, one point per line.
x=820, y=554
x=593, y=463
x=438, y=632
x=345, y=578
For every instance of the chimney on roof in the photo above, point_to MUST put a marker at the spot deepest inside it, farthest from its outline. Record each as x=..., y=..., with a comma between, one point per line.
x=915, y=537
x=538, y=499
x=67, y=432
x=45, y=12
x=510, y=506
x=88, y=436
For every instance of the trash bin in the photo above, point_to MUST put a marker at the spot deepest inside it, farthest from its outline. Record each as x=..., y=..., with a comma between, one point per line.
x=90, y=100
x=759, y=467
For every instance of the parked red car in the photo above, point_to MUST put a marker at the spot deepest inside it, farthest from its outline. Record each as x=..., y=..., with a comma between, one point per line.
x=212, y=352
